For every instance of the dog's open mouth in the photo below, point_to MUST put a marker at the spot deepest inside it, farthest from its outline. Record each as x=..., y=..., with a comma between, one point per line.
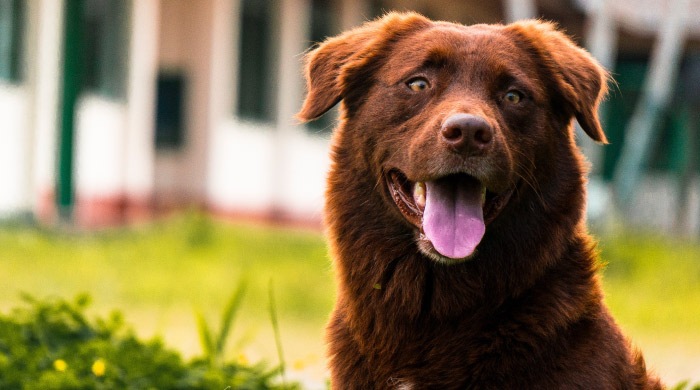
x=451, y=212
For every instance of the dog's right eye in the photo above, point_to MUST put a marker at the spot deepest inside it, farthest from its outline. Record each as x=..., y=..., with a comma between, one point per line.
x=418, y=84
x=513, y=97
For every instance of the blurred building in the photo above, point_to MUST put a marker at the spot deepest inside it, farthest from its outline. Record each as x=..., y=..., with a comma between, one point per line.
x=111, y=110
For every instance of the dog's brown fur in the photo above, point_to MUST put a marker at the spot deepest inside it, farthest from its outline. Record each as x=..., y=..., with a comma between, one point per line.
x=523, y=311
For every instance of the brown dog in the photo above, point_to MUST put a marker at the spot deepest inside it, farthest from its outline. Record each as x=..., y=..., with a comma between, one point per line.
x=455, y=209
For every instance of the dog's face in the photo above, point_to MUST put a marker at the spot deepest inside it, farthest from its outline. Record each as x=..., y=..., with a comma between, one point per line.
x=455, y=122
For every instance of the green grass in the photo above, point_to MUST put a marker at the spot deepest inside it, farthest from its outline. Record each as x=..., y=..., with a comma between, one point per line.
x=653, y=282
x=188, y=259
x=652, y=286
x=162, y=274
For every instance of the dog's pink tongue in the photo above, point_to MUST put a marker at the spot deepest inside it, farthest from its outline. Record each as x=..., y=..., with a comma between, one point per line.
x=453, y=219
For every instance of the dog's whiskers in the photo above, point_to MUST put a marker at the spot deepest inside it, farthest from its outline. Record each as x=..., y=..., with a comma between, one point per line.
x=526, y=174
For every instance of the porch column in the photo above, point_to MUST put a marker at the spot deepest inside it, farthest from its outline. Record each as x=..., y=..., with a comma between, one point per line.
x=138, y=156
x=294, y=32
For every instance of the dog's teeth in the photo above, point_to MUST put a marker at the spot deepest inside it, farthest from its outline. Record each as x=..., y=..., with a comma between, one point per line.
x=419, y=194
x=483, y=196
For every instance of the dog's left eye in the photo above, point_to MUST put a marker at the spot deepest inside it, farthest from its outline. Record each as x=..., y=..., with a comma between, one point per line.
x=418, y=84
x=513, y=97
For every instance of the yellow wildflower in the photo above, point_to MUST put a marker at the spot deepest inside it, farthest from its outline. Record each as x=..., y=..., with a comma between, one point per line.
x=299, y=364
x=60, y=365
x=98, y=368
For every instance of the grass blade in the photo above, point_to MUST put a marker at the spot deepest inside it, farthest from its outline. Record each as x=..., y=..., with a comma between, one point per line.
x=229, y=316
x=205, y=338
x=276, y=330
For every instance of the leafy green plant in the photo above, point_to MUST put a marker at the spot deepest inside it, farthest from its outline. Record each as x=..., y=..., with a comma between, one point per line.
x=685, y=385
x=50, y=344
x=213, y=345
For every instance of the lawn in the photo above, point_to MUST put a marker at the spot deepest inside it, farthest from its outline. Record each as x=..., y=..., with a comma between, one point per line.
x=652, y=285
x=162, y=274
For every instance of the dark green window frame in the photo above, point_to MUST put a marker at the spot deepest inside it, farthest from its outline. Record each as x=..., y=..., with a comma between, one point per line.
x=13, y=15
x=669, y=151
x=324, y=23
x=106, y=45
x=257, y=61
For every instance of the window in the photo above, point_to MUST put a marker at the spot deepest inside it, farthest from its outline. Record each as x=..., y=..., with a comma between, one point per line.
x=324, y=20
x=324, y=24
x=170, y=106
x=105, y=51
x=629, y=77
x=256, y=60
x=669, y=150
x=12, y=20
x=377, y=8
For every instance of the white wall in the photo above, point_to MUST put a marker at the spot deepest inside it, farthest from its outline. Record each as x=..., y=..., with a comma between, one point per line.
x=29, y=115
x=14, y=130
x=139, y=153
x=240, y=166
x=255, y=168
x=242, y=176
x=98, y=149
x=304, y=174
x=113, y=140
x=46, y=18
x=185, y=39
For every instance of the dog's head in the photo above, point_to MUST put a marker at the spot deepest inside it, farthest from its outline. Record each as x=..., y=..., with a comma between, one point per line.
x=456, y=123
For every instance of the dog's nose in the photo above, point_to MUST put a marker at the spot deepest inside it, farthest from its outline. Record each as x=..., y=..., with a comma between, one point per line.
x=467, y=133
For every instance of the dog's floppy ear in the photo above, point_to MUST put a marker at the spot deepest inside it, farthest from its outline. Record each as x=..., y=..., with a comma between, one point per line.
x=329, y=67
x=578, y=77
